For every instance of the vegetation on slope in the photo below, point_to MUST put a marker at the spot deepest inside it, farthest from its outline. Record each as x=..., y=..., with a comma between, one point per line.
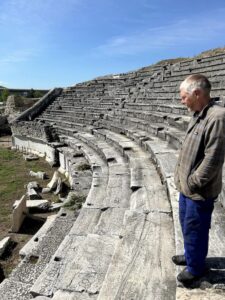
x=14, y=176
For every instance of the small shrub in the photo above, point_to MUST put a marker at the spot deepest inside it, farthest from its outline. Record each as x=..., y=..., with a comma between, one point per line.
x=74, y=201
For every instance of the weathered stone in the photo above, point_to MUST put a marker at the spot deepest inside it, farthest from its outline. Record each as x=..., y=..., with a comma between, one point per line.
x=38, y=237
x=53, y=183
x=59, y=186
x=46, y=190
x=140, y=267
x=30, y=157
x=40, y=204
x=4, y=244
x=33, y=185
x=41, y=175
x=66, y=295
x=55, y=206
x=11, y=290
x=32, y=194
x=18, y=214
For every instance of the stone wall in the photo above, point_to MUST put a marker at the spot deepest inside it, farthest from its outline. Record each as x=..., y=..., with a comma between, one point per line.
x=36, y=109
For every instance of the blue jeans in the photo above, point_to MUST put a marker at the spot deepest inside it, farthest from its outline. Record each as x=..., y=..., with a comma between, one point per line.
x=195, y=220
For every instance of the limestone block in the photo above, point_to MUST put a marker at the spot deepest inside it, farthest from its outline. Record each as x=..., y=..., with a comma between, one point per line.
x=32, y=194
x=30, y=157
x=13, y=290
x=19, y=213
x=60, y=294
x=59, y=186
x=55, y=206
x=46, y=190
x=38, y=237
x=41, y=175
x=33, y=185
x=140, y=267
x=3, y=245
x=40, y=204
x=53, y=183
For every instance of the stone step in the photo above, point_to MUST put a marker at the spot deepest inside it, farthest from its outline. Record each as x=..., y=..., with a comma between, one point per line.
x=116, y=189
x=80, y=265
x=29, y=248
x=14, y=290
x=37, y=255
x=215, y=278
x=140, y=268
x=145, y=182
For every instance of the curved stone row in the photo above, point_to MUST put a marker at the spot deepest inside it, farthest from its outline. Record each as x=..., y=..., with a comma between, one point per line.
x=129, y=126
x=135, y=232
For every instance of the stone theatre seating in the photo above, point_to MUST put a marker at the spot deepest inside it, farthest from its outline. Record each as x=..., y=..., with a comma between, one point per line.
x=129, y=127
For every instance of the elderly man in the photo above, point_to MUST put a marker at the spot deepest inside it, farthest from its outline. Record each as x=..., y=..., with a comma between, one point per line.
x=198, y=174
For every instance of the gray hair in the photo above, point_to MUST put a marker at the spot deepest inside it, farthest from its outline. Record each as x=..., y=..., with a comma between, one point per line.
x=195, y=82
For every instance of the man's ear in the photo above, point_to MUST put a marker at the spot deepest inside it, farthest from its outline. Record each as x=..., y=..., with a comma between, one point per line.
x=197, y=93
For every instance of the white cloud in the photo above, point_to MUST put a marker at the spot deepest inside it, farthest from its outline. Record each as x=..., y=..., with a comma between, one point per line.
x=181, y=33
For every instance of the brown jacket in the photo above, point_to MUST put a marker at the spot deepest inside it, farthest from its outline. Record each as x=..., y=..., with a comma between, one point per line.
x=198, y=173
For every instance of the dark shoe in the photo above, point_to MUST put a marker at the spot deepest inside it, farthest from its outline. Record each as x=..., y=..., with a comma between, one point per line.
x=179, y=260
x=186, y=277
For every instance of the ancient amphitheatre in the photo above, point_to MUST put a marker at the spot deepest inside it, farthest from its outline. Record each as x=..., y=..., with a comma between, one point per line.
x=129, y=128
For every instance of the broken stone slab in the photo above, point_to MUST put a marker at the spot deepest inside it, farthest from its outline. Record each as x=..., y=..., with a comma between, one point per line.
x=30, y=157
x=59, y=186
x=40, y=204
x=46, y=190
x=55, y=206
x=19, y=212
x=32, y=194
x=53, y=183
x=33, y=185
x=40, y=175
x=4, y=244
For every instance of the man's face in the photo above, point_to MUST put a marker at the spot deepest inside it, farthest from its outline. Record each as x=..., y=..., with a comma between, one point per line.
x=189, y=99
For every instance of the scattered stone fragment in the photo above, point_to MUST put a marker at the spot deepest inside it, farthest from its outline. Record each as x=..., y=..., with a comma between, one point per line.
x=19, y=213
x=40, y=204
x=30, y=157
x=33, y=185
x=53, y=183
x=59, y=186
x=40, y=175
x=46, y=190
x=32, y=194
x=3, y=245
x=55, y=206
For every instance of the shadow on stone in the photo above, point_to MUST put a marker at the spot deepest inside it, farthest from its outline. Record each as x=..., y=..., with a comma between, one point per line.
x=31, y=225
x=215, y=262
x=8, y=251
x=214, y=277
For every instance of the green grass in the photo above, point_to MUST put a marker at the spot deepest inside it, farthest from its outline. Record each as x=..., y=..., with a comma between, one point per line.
x=14, y=176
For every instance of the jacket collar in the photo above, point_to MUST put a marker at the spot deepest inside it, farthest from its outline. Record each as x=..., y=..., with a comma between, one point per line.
x=199, y=115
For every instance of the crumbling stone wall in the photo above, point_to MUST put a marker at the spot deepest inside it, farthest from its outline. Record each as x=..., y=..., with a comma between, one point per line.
x=30, y=129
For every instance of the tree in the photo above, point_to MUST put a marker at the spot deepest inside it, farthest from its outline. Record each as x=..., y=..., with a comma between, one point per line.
x=4, y=95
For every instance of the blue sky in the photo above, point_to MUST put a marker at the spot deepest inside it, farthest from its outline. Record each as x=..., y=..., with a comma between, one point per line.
x=49, y=43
